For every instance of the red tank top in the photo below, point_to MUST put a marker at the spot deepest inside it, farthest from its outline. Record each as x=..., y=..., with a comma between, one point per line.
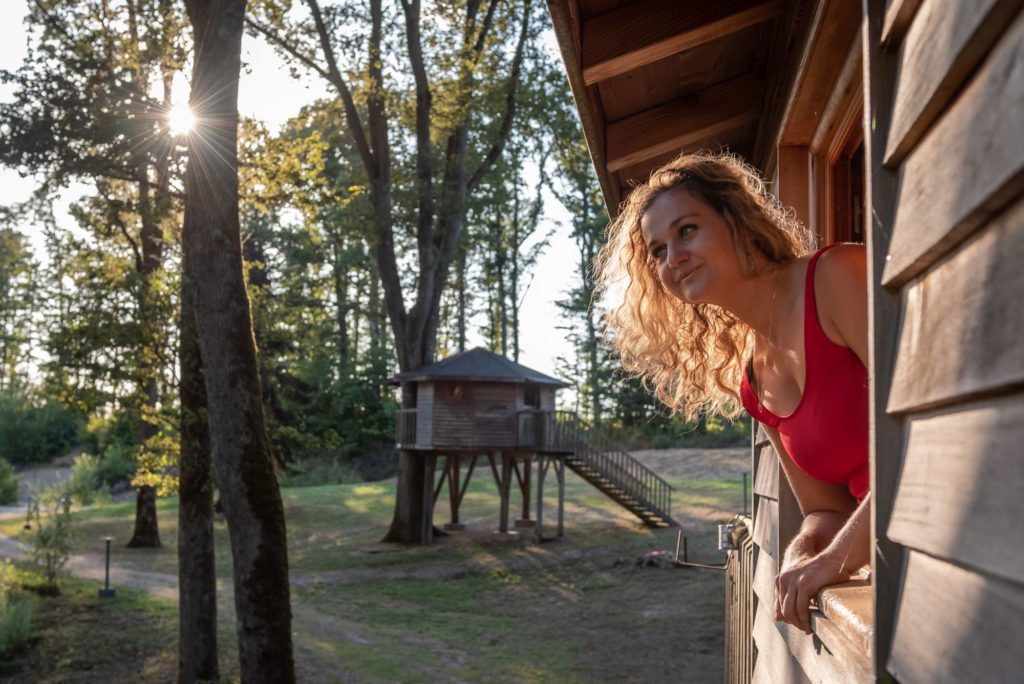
x=827, y=434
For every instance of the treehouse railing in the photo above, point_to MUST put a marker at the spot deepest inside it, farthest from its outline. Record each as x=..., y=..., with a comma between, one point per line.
x=564, y=431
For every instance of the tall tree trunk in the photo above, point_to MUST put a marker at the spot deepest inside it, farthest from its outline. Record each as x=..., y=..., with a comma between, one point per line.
x=461, y=285
x=514, y=301
x=245, y=475
x=341, y=305
x=147, y=532
x=197, y=579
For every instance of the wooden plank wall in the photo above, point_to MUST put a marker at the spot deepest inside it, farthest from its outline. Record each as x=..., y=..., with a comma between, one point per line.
x=453, y=415
x=425, y=414
x=494, y=414
x=950, y=155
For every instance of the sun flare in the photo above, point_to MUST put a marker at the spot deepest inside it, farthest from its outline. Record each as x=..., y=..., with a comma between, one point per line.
x=180, y=119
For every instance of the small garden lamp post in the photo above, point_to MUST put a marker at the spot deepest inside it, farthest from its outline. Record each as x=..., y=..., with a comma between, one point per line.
x=106, y=591
x=29, y=506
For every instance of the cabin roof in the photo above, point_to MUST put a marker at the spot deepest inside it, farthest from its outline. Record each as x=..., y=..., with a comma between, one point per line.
x=478, y=365
x=652, y=79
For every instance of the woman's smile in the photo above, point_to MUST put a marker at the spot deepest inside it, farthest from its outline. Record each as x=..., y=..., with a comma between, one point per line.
x=684, y=236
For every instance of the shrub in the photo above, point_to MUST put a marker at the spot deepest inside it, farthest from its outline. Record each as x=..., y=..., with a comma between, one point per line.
x=50, y=536
x=31, y=433
x=8, y=484
x=85, y=484
x=16, y=611
x=116, y=465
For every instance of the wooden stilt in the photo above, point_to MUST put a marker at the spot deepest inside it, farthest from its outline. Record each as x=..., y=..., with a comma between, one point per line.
x=506, y=489
x=522, y=468
x=455, y=491
x=542, y=470
x=428, y=499
x=440, y=483
x=560, y=470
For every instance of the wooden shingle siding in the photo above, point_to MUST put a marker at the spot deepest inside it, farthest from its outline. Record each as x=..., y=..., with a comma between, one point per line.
x=766, y=482
x=425, y=413
x=766, y=526
x=453, y=416
x=948, y=212
x=968, y=166
x=773, y=653
x=766, y=570
x=547, y=399
x=962, y=321
x=494, y=420
x=962, y=477
x=955, y=626
x=945, y=42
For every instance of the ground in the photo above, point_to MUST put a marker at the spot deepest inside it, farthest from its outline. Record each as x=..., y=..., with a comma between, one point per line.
x=475, y=607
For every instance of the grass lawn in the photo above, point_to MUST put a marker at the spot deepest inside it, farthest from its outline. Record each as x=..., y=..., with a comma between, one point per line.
x=471, y=608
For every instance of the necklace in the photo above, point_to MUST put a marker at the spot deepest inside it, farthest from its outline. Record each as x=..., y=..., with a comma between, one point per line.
x=764, y=363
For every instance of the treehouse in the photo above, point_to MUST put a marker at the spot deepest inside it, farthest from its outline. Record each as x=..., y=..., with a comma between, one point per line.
x=896, y=123
x=478, y=405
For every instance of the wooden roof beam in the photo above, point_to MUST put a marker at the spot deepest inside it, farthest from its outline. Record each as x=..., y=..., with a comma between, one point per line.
x=631, y=36
x=685, y=121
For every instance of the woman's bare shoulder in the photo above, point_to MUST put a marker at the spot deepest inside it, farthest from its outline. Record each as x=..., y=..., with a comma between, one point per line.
x=844, y=264
x=842, y=292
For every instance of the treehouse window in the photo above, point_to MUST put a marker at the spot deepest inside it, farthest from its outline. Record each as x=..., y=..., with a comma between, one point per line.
x=532, y=396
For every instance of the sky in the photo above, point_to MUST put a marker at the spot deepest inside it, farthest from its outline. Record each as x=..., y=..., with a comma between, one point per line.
x=268, y=92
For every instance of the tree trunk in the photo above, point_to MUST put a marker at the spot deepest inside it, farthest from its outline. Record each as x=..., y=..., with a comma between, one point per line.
x=211, y=241
x=147, y=532
x=461, y=285
x=197, y=580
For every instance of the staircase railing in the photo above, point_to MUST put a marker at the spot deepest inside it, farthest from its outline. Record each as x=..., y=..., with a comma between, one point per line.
x=567, y=432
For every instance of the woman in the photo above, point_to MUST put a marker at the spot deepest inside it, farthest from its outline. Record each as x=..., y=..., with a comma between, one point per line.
x=720, y=302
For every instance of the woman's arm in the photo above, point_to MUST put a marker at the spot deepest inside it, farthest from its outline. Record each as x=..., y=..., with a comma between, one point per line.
x=802, y=577
x=832, y=542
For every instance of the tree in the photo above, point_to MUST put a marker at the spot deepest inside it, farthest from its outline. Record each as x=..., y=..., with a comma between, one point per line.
x=18, y=271
x=454, y=147
x=83, y=110
x=213, y=259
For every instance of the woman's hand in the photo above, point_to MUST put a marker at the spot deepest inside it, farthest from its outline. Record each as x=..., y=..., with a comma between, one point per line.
x=799, y=581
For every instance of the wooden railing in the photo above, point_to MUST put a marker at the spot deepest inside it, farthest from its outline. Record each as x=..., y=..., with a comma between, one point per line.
x=405, y=428
x=564, y=431
x=739, y=607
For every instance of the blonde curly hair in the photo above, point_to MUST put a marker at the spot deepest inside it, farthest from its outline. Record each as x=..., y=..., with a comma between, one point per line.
x=691, y=356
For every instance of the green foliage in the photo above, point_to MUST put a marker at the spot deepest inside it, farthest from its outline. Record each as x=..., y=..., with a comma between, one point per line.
x=16, y=610
x=85, y=486
x=50, y=536
x=8, y=484
x=33, y=432
x=116, y=465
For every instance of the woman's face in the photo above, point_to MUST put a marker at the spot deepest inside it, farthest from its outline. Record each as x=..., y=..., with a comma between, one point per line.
x=691, y=246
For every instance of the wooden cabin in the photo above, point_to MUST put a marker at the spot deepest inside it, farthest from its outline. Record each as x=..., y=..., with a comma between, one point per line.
x=480, y=405
x=473, y=400
x=897, y=123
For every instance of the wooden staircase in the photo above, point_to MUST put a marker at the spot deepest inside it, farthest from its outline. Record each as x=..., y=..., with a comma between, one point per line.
x=602, y=463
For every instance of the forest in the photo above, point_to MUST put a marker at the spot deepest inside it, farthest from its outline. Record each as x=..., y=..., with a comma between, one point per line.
x=394, y=222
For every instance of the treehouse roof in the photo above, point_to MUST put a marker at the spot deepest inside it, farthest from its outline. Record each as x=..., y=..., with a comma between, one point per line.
x=478, y=365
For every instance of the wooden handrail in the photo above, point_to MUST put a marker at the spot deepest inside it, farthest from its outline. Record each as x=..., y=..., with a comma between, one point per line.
x=566, y=431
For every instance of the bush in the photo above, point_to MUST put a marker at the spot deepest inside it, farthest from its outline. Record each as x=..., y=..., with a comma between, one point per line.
x=31, y=433
x=8, y=484
x=16, y=611
x=50, y=535
x=116, y=465
x=85, y=485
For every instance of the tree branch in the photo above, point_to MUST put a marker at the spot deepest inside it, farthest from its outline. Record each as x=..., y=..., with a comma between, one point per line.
x=287, y=47
x=424, y=148
x=510, y=104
